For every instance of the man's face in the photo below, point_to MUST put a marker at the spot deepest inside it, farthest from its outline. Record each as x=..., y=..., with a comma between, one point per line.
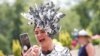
x=41, y=36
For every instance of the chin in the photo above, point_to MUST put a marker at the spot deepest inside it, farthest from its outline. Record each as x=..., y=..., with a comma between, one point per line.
x=42, y=44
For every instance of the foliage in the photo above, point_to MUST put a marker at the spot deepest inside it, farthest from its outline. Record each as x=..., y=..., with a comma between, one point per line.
x=16, y=48
x=90, y=33
x=1, y=53
x=83, y=16
x=4, y=44
x=65, y=39
x=96, y=41
x=55, y=41
x=70, y=21
x=89, y=12
x=11, y=24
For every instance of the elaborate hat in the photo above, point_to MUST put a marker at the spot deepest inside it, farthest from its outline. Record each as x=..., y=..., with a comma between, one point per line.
x=45, y=16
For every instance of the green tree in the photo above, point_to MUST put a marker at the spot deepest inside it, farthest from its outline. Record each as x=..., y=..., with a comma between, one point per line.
x=12, y=23
x=94, y=26
x=83, y=11
x=5, y=27
x=89, y=15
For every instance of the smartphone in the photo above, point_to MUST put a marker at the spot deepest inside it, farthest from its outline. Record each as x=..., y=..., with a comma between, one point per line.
x=24, y=40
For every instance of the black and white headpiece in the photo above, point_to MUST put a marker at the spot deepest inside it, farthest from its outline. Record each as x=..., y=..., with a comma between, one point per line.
x=45, y=16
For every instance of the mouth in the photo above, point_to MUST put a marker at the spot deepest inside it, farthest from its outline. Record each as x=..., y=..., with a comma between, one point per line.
x=42, y=40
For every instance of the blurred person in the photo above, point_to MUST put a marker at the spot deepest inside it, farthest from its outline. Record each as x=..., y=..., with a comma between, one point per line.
x=87, y=48
x=74, y=44
x=45, y=27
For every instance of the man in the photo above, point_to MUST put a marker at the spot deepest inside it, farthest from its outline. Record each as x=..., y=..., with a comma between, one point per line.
x=45, y=19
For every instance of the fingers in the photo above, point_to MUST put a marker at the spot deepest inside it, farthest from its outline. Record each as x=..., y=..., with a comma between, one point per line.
x=33, y=51
x=35, y=46
x=29, y=50
x=36, y=50
x=30, y=54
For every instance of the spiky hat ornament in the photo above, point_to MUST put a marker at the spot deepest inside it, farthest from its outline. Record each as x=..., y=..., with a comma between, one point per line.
x=45, y=16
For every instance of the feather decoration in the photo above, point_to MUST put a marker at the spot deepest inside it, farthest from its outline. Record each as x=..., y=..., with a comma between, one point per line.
x=45, y=16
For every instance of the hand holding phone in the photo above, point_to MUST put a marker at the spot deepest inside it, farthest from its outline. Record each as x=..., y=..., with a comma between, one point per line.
x=32, y=51
x=25, y=43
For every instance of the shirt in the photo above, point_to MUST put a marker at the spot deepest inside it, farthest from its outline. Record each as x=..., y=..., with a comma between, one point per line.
x=58, y=51
x=82, y=51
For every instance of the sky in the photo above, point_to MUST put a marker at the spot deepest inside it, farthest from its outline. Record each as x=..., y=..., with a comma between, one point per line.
x=11, y=2
x=65, y=3
x=62, y=3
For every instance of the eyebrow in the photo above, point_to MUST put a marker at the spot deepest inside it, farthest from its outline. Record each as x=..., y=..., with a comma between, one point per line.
x=40, y=30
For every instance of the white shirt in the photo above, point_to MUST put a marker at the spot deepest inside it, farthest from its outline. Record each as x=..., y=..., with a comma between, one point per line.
x=58, y=51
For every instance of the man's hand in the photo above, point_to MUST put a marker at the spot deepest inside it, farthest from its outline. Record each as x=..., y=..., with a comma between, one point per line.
x=33, y=51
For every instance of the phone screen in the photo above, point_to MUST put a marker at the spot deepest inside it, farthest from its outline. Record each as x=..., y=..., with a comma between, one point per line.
x=25, y=43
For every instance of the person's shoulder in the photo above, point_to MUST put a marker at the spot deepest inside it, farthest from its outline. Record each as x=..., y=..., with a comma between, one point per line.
x=60, y=48
x=63, y=51
x=90, y=45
